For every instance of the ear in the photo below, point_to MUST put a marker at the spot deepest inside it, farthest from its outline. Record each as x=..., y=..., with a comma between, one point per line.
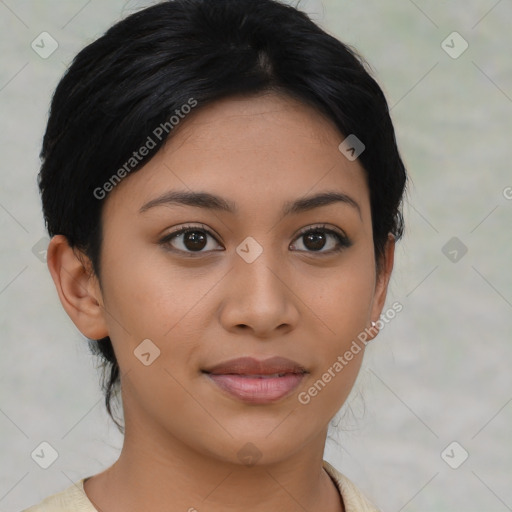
x=381, y=287
x=78, y=288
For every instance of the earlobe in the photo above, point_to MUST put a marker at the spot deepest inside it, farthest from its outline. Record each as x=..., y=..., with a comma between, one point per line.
x=77, y=287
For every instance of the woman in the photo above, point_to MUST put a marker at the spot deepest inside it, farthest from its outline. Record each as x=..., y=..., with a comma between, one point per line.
x=223, y=189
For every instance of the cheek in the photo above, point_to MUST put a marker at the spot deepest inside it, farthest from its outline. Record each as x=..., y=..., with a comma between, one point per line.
x=148, y=294
x=340, y=310
x=150, y=298
x=340, y=298
x=326, y=390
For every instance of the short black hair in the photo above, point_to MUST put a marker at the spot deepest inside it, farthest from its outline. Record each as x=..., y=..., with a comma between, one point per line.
x=145, y=68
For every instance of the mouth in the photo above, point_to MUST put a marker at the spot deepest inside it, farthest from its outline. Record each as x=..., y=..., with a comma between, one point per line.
x=249, y=376
x=256, y=382
x=252, y=367
x=256, y=389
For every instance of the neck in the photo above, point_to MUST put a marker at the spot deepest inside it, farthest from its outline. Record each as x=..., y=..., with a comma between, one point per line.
x=155, y=470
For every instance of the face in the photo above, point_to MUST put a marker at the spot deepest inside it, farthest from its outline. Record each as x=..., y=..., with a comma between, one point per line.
x=262, y=280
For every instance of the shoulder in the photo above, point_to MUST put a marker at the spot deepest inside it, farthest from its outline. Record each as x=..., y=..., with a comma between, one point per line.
x=353, y=499
x=71, y=499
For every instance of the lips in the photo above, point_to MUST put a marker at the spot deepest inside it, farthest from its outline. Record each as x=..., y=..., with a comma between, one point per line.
x=257, y=382
x=249, y=366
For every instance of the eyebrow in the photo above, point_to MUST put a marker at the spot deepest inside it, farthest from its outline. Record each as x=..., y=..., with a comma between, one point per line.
x=210, y=201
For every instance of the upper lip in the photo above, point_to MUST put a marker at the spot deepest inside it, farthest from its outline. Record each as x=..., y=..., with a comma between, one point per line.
x=252, y=366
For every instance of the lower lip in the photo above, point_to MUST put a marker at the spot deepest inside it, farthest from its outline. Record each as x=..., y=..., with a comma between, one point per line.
x=257, y=390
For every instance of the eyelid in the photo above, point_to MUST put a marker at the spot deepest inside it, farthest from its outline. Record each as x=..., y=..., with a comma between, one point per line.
x=325, y=227
x=190, y=227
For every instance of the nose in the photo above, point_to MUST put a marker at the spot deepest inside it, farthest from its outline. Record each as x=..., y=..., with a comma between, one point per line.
x=259, y=297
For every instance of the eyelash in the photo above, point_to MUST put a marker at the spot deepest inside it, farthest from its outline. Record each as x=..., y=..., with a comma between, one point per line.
x=343, y=241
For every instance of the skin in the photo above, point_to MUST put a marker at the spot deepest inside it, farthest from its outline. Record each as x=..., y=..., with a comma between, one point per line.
x=183, y=434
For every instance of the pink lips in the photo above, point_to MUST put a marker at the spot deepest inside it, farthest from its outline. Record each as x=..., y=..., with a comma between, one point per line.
x=257, y=382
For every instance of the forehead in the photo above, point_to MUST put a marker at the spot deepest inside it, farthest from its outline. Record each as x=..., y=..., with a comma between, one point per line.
x=257, y=151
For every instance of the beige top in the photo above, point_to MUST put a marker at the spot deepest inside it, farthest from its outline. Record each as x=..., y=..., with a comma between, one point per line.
x=74, y=499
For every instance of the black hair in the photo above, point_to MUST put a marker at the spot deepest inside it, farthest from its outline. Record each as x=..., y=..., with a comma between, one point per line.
x=145, y=68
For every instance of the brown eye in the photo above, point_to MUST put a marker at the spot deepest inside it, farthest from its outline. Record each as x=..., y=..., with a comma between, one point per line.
x=189, y=240
x=194, y=240
x=316, y=239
